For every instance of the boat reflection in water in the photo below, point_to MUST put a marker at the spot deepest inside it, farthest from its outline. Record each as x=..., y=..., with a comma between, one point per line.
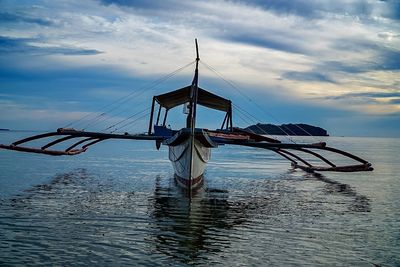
x=189, y=227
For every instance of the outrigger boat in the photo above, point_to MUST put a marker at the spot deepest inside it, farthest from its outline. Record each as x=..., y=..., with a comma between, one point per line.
x=190, y=147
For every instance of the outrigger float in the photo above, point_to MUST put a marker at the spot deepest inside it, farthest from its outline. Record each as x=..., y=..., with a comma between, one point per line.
x=190, y=147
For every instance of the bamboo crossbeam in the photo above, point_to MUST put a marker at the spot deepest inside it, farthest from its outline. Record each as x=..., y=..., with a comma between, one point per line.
x=60, y=140
x=43, y=151
x=35, y=137
x=317, y=155
x=295, y=156
x=78, y=143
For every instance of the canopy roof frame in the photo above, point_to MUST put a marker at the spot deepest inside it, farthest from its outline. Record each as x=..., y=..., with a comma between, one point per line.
x=205, y=98
x=181, y=96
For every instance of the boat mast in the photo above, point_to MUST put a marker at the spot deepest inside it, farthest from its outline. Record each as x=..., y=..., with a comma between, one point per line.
x=192, y=114
x=191, y=118
x=195, y=88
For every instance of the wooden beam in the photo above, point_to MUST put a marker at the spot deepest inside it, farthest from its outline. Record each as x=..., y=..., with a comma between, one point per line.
x=151, y=116
x=316, y=155
x=165, y=117
x=57, y=141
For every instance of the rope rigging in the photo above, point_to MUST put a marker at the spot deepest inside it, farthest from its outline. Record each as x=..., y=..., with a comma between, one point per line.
x=131, y=122
x=110, y=107
x=126, y=119
x=109, y=118
x=234, y=86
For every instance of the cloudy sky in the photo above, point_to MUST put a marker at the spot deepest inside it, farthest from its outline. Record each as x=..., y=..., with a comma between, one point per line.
x=334, y=64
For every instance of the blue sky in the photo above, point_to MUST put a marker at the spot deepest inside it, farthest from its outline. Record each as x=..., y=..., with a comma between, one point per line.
x=334, y=64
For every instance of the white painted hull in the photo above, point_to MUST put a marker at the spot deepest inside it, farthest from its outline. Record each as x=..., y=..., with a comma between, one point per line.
x=189, y=166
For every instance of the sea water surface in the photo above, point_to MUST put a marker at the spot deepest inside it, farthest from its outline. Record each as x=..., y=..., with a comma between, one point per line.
x=118, y=204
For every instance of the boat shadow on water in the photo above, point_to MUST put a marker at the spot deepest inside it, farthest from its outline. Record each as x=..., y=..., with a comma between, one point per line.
x=359, y=203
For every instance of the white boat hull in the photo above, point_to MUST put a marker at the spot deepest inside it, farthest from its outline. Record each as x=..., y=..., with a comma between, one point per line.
x=189, y=166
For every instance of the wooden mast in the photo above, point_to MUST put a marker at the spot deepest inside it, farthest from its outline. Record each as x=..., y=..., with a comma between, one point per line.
x=192, y=113
x=195, y=89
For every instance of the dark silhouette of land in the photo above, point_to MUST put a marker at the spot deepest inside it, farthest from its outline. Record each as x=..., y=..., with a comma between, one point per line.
x=288, y=129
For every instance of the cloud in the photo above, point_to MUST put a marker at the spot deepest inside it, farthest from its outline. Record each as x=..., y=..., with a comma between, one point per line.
x=395, y=101
x=388, y=35
x=317, y=9
x=372, y=103
x=144, y=4
x=270, y=43
x=389, y=60
x=340, y=66
x=304, y=8
x=22, y=46
x=6, y=17
x=307, y=76
x=377, y=56
x=366, y=95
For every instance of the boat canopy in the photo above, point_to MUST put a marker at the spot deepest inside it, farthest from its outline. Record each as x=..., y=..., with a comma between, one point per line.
x=181, y=96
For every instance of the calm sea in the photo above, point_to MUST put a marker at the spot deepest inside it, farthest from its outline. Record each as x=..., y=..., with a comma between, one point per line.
x=117, y=204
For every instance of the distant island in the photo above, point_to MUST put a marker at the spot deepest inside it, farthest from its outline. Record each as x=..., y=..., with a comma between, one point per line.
x=2, y=129
x=288, y=129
